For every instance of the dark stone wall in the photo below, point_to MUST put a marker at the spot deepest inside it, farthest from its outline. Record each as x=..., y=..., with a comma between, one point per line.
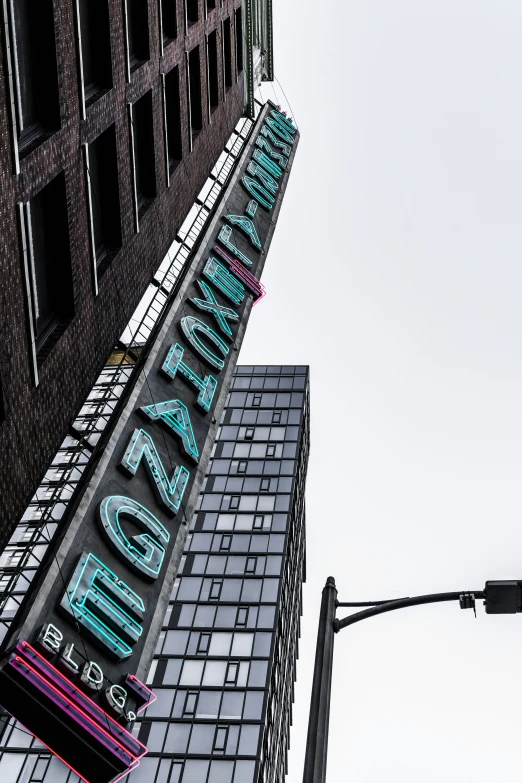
x=36, y=419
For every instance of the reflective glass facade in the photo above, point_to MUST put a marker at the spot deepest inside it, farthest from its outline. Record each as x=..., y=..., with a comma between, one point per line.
x=224, y=668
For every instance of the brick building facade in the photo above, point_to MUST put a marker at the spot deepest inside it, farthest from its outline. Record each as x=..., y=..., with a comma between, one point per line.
x=114, y=113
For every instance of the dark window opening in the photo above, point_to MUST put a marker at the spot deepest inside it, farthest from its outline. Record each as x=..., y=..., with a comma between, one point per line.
x=227, y=52
x=144, y=161
x=189, y=710
x=105, y=198
x=211, y=4
x=192, y=11
x=95, y=34
x=173, y=118
x=137, y=32
x=50, y=256
x=239, y=40
x=195, y=97
x=213, y=72
x=220, y=739
x=169, y=22
x=37, y=100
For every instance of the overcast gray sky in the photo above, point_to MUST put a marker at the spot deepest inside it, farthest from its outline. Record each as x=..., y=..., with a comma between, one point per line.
x=395, y=272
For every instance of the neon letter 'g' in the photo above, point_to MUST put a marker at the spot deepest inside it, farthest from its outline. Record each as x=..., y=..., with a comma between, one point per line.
x=145, y=552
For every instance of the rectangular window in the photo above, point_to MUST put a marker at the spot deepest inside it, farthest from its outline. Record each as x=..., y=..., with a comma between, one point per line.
x=276, y=417
x=271, y=450
x=95, y=49
x=239, y=40
x=50, y=287
x=189, y=708
x=213, y=78
x=104, y=197
x=143, y=147
x=265, y=485
x=203, y=643
x=215, y=589
x=194, y=92
x=227, y=53
x=192, y=11
x=168, y=20
x=173, y=118
x=249, y=433
x=232, y=672
x=242, y=616
x=250, y=567
x=258, y=521
x=234, y=502
x=225, y=543
x=137, y=29
x=256, y=402
x=220, y=739
x=35, y=71
x=210, y=5
x=241, y=466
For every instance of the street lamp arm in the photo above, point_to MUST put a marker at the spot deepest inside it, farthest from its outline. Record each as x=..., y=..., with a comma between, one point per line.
x=403, y=603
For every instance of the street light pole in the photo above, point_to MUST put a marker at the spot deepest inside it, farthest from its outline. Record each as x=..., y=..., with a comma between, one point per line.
x=501, y=597
x=317, y=741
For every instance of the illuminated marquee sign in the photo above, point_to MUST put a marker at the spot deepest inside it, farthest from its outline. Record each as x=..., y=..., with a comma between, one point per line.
x=76, y=659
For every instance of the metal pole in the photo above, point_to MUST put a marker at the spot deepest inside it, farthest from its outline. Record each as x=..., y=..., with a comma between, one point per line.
x=317, y=740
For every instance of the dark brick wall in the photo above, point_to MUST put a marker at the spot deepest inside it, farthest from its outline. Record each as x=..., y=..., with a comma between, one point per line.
x=37, y=418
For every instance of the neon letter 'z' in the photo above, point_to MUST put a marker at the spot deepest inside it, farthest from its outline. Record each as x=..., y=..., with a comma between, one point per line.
x=169, y=491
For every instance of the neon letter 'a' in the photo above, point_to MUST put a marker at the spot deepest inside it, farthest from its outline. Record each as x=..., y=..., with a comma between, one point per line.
x=206, y=386
x=247, y=227
x=175, y=415
x=280, y=130
x=168, y=491
x=105, y=606
x=144, y=552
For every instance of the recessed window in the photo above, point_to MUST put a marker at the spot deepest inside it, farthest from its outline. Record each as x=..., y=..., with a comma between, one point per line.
x=203, y=643
x=50, y=294
x=249, y=433
x=215, y=589
x=220, y=739
x=195, y=97
x=173, y=118
x=211, y=4
x=213, y=78
x=258, y=521
x=242, y=616
x=169, y=22
x=143, y=146
x=102, y=178
x=35, y=71
x=256, y=402
x=189, y=708
x=95, y=38
x=225, y=543
x=241, y=466
x=250, y=567
x=232, y=673
x=227, y=53
x=137, y=27
x=265, y=485
x=192, y=11
x=271, y=450
x=234, y=502
x=239, y=40
x=276, y=417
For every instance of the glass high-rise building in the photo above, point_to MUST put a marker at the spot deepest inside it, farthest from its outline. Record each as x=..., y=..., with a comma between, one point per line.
x=225, y=664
